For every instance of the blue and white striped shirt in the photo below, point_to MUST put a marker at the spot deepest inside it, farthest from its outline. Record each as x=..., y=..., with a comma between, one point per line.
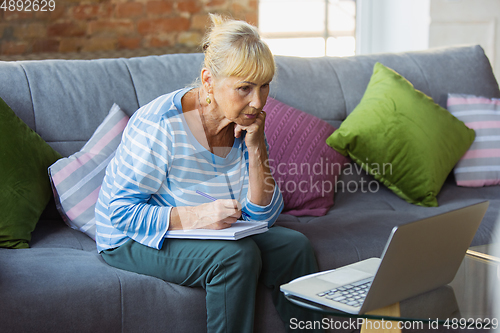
x=158, y=165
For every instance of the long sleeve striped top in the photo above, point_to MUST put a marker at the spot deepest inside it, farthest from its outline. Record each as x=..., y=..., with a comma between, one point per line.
x=158, y=165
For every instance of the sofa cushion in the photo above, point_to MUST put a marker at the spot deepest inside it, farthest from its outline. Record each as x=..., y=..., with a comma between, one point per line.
x=76, y=180
x=400, y=136
x=24, y=184
x=302, y=164
x=361, y=221
x=480, y=166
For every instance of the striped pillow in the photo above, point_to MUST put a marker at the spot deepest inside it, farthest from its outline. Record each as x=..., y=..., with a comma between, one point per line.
x=76, y=180
x=480, y=166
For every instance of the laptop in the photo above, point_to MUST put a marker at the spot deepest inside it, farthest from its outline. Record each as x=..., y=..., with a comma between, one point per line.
x=418, y=257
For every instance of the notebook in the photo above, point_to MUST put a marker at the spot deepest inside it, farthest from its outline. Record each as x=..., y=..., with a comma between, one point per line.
x=418, y=257
x=238, y=230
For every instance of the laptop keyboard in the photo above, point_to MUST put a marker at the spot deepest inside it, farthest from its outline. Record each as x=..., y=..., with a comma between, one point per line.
x=351, y=294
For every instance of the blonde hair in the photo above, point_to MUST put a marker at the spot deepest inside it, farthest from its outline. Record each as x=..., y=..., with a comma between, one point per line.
x=234, y=48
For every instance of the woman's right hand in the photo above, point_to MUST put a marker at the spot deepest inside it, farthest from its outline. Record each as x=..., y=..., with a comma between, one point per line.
x=219, y=214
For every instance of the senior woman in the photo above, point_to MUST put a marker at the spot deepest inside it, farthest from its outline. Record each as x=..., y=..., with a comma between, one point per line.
x=210, y=139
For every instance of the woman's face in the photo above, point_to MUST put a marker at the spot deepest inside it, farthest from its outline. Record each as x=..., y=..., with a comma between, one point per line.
x=238, y=100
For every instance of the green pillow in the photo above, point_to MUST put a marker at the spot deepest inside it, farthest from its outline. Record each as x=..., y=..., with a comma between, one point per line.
x=24, y=181
x=400, y=136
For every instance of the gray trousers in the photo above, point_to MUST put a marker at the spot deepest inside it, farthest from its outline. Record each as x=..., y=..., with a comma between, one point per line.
x=228, y=271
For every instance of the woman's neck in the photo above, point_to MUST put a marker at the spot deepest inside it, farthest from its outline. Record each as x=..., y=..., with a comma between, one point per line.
x=213, y=132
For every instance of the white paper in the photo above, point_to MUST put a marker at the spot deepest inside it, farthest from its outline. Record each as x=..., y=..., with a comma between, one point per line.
x=237, y=231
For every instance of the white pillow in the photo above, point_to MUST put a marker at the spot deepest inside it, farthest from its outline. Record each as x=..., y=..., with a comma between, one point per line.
x=480, y=166
x=76, y=180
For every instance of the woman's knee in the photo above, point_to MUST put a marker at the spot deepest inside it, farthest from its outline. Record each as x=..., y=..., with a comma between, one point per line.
x=294, y=241
x=301, y=242
x=244, y=254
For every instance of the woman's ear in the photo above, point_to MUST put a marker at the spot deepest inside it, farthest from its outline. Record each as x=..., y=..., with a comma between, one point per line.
x=206, y=79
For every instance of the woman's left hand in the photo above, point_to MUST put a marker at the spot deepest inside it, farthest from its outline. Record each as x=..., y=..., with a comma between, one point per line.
x=255, y=132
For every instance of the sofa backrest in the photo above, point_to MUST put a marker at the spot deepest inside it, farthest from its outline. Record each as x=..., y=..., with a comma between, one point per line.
x=65, y=100
x=330, y=88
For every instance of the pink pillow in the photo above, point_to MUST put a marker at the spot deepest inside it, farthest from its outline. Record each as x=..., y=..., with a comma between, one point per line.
x=303, y=165
x=480, y=166
x=76, y=180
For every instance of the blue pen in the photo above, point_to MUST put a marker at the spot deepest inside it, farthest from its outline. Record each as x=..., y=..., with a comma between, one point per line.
x=206, y=195
x=213, y=199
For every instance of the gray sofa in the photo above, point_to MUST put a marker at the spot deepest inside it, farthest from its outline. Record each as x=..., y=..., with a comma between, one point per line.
x=61, y=284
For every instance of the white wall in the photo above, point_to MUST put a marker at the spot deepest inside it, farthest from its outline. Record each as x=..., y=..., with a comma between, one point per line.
x=456, y=22
x=392, y=25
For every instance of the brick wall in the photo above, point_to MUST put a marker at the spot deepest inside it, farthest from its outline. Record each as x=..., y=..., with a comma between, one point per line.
x=111, y=25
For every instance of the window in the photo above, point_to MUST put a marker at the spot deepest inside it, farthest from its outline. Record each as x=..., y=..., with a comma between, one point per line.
x=309, y=28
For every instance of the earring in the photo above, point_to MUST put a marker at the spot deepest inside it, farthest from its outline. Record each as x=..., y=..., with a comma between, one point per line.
x=208, y=99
